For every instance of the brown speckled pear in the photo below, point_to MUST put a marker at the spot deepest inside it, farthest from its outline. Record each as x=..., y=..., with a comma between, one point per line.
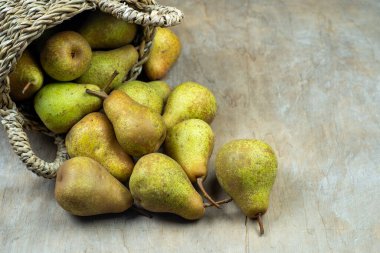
x=66, y=56
x=104, y=31
x=94, y=137
x=104, y=63
x=26, y=79
x=143, y=94
x=189, y=100
x=138, y=129
x=159, y=184
x=164, y=53
x=83, y=187
x=190, y=143
x=246, y=170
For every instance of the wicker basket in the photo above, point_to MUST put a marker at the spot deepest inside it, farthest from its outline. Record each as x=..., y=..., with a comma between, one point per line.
x=22, y=21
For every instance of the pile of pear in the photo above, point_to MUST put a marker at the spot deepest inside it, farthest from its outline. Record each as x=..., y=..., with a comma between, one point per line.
x=134, y=143
x=172, y=148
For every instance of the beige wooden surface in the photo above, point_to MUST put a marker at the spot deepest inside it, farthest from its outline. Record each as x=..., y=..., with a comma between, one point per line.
x=304, y=75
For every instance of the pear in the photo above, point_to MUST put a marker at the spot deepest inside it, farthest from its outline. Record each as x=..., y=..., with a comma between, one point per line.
x=66, y=56
x=246, y=170
x=189, y=100
x=143, y=94
x=159, y=184
x=104, y=31
x=61, y=105
x=104, y=63
x=138, y=129
x=83, y=187
x=94, y=137
x=161, y=88
x=190, y=143
x=164, y=53
x=26, y=79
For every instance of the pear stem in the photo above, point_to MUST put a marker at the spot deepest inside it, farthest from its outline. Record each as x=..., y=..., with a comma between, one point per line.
x=260, y=221
x=141, y=212
x=201, y=187
x=100, y=94
x=26, y=87
x=113, y=76
x=220, y=202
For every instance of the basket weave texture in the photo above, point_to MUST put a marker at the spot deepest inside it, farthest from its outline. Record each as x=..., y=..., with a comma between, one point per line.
x=22, y=21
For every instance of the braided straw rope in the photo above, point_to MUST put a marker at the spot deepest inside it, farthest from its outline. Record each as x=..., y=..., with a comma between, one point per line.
x=22, y=21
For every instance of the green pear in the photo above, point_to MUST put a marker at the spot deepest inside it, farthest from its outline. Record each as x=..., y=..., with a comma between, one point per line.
x=83, y=187
x=66, y=56
x=61, y=105
x=246, y=170
x=138, y=129
x=94, y=137
x=26, y=79
x=190, y=143
x=189, y=100
x=143, y=94
x=162, y=89
x=164, y=53
x=104, y=63
x=104, y=31
x=159, y=184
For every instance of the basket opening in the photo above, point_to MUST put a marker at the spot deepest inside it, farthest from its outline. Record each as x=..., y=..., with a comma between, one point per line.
x=42, y=145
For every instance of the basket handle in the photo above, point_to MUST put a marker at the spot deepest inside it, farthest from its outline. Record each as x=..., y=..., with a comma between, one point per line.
x=14, y=124
x=145, y=12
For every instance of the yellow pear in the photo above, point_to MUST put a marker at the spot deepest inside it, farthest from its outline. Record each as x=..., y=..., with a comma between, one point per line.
x=159, y=184
x=94, y=137
x=164, y=53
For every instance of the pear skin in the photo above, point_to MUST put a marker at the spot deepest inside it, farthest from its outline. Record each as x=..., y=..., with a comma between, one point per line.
x=162, y=89
x=65, y=56
x=94, y=137
x=164, y=53
x=83, y=187
x=26, y=79
x=104, y=31
x=61, y=105
x=143, y=94
x=189, y=100
x=190, y=143
x=138, y=129
x=104, y=63
x=246, y=170
x=159, y=184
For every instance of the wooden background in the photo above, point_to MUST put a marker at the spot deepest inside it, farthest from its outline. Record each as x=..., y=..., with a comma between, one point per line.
x=303, y=75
